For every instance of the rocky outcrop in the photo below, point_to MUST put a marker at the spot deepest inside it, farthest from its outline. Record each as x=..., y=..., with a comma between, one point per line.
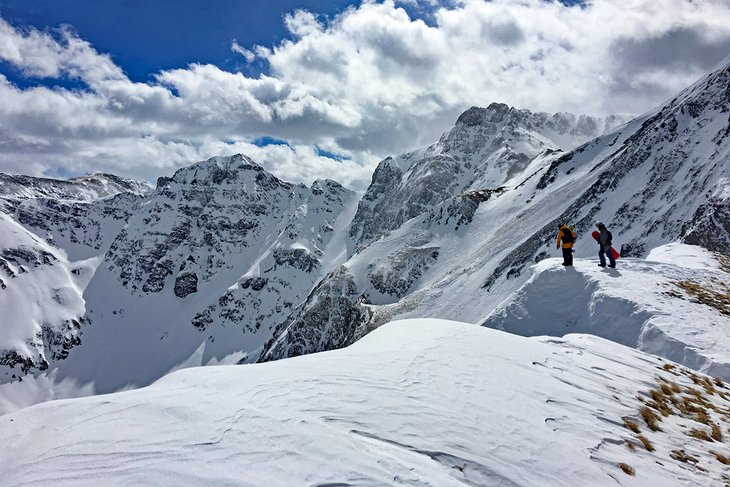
x=710, y=226
x=332, y=317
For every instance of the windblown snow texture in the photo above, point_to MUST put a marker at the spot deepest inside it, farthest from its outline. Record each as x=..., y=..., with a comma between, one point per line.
x=416, y=402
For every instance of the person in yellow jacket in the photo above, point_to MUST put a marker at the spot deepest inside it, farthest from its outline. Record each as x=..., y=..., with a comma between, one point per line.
x=567, y=236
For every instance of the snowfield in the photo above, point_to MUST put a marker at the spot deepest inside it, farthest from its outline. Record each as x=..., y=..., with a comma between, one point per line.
x=416, y=402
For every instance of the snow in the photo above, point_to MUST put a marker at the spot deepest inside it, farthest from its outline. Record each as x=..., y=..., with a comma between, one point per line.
x=416, y=402
x=43, y=291
x=688, y=256
x=637, y=304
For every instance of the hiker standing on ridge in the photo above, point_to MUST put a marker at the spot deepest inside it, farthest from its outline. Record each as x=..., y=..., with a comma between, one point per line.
x=604, y=246
x=567, y=236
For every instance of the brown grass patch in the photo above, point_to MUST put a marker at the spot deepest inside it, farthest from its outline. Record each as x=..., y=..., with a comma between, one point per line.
x=631, y=445
x=632, y=425
x=658, y=395
x=724, y=262
x=669, y=388
x=716, y=432
x=721, y=458
x=718, y=382
x=645, y=441
x=681, y=456
x=651, y=418
x=661, y=407
x=699, y=434
x=703, y=417
x=698, y=397
x=709, y=297
x=628, y=469
x=708, y=386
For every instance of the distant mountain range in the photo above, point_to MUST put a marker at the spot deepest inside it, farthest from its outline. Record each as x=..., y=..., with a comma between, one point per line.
x=113, y=282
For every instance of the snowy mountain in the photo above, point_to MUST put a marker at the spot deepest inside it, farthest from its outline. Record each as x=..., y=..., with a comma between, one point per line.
x=486, y=148
x=84, y=188
x=416, y=402
x=214, y=259
x=139, y=281
x=660, y=178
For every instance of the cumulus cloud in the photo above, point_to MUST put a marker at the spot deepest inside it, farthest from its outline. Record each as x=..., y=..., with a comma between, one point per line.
x=368, y=83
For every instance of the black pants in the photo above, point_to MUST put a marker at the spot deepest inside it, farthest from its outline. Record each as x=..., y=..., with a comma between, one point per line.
x=567, y=256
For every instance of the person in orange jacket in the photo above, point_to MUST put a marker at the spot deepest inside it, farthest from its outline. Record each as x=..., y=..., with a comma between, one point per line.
x=567, y=236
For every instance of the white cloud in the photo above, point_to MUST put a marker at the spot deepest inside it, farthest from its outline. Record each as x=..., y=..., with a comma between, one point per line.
x=250, y=56
x=368, y=83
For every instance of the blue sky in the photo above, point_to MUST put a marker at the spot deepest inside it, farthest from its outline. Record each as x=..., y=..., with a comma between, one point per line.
x=323, y=88
x=145, y=36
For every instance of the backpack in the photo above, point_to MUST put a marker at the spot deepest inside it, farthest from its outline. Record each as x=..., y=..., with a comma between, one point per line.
x=568, y=236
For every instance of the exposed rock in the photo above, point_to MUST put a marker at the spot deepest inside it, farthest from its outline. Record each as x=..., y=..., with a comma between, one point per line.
x=330, y=318
x=186, y=283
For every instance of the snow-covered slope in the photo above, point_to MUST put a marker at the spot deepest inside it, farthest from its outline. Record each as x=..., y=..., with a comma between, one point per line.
x=417, y=402
x=40, y=301
x=670, y=304
x=661, y=178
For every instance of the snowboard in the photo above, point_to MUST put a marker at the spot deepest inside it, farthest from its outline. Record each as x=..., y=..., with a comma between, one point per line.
x=613, y=251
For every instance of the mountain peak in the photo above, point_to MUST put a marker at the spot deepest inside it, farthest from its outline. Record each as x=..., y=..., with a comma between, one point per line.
x=494, y=113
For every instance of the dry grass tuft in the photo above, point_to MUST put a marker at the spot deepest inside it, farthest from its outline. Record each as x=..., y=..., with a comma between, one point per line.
x=645, y=441
x=716, y=299
x=721, y=458
x=716, y=432
x=661, y=407
x=698, y=397
x=651, y=418
x=669, y=367
x=628, y=469
x=724, y=262
x=699, y=434
x=670, y=388
x=681, y=456
x=718, y=382
x=703, y=417
x=631, y=445
x=659, y=395
x=632, y=425
x=708, y=386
